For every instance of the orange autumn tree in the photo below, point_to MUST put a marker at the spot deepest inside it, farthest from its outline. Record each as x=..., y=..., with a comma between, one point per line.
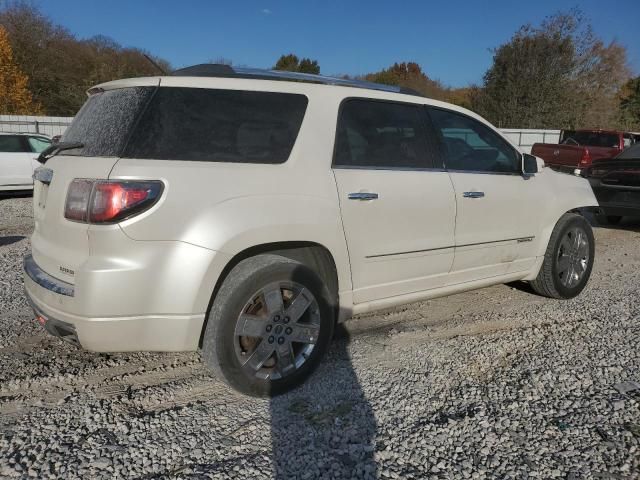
x=15, y=97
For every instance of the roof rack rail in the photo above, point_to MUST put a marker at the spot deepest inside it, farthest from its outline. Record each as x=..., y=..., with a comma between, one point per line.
x=227, y=71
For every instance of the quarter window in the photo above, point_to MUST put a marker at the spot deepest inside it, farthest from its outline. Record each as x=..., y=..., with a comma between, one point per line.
x=38, y=144
x=472, y=146
x=378, y=134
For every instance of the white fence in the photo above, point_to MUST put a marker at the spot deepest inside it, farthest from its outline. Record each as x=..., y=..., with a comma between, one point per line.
x=31, y=124
x=523, y=138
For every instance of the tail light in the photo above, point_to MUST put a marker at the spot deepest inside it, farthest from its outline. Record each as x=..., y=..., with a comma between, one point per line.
x=102, y=201
x=586, y=158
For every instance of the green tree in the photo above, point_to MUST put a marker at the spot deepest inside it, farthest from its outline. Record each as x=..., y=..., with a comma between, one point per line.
x=410, y=75
x=291, y=63
x=630, y=105
x=557, y=75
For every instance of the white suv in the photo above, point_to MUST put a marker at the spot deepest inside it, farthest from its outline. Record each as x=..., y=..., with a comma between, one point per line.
x=244, y=212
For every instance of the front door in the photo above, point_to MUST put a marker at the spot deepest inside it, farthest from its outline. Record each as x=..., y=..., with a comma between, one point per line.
x=497, y=218
x=397, y=203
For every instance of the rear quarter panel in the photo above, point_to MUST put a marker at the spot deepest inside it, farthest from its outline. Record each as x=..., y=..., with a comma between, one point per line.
x=231, y=207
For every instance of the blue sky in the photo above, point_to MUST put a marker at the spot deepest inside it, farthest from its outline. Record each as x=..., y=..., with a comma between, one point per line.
x=451, y=40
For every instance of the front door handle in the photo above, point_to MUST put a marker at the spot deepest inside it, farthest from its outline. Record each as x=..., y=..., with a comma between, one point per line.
x=362, y=196
x=473, y=194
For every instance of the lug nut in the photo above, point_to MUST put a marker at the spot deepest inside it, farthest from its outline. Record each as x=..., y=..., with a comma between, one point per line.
x=286, y=320
x=276, y=318
x=280, y=340
x=269, y=327
x=271, y=339
x=288, y=330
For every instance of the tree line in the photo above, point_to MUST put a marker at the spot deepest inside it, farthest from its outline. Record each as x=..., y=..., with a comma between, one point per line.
x=558, y=74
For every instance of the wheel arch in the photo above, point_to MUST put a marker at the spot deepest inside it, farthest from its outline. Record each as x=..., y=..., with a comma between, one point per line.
x=314, y=255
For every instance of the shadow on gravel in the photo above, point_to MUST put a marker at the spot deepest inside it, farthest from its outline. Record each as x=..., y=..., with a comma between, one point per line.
x=522, y=286
x=326, y=428
x=9, y=239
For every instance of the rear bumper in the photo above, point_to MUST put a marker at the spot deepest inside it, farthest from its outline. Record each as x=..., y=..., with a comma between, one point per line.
x=55, y=303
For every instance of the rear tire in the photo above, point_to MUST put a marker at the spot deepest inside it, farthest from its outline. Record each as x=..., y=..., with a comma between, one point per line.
x=269, y=326
x=568, y=260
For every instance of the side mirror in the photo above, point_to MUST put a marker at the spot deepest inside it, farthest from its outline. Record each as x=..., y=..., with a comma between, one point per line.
x=529, y=165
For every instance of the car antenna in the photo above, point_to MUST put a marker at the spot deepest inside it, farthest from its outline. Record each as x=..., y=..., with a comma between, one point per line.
x=160, y=69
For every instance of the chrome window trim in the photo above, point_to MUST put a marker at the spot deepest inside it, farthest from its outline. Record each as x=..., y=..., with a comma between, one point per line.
x=398, y=169
x=45, y=280
x=479, y=172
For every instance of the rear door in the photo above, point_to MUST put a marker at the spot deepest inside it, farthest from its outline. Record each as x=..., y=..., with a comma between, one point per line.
x=103, y=125
x=496, y=218
x=397, y=203
x=15, y=162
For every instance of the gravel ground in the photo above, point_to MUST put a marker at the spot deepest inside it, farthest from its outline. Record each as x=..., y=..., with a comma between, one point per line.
x=495, y=383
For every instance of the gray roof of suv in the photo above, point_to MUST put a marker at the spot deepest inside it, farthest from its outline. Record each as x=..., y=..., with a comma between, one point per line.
x=227, y=71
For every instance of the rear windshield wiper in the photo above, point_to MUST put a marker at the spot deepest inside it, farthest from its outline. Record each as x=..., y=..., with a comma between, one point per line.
x=56, y=148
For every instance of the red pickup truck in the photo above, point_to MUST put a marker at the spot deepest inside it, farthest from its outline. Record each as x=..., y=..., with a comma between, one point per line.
x=578, y=148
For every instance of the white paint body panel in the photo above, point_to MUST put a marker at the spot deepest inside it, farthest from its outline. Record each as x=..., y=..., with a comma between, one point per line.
x=16, y=169
x=146, y=283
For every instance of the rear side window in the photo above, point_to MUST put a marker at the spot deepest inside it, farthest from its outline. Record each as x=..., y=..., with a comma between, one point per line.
x=218, y=126
x=590, y=139
x=375, y=134
x=105, y=121
x=12, y=144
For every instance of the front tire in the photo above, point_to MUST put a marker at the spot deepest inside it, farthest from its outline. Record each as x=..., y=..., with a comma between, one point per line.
x=269, y=326
x=568, y=260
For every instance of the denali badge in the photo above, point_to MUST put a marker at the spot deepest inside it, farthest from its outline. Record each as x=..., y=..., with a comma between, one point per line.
x=67, y=271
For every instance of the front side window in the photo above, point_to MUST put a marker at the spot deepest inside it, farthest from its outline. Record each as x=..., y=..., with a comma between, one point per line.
x=12, y=144
x=38, y=144
x=472, y=146
x=218, y=126
x=374, y=134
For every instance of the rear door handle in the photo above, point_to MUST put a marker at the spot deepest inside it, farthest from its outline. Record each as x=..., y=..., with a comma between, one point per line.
x=473, y=194
x=362, y=196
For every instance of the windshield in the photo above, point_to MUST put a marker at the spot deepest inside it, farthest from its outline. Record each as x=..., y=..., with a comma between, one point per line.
x=590, y=139
x=198, y=124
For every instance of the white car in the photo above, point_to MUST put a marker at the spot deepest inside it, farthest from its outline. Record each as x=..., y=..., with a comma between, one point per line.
x=242, y=213
x=18, y=154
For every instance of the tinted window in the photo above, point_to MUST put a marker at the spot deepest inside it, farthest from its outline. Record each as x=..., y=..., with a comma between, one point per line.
x=218, y=126
x=382, y=135
x=38, y=144
x=590, y=139
x=104, y=122
x=472, y=146
x=12, y=143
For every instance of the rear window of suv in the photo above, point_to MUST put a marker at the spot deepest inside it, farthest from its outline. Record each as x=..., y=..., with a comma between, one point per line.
x=198, y=124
